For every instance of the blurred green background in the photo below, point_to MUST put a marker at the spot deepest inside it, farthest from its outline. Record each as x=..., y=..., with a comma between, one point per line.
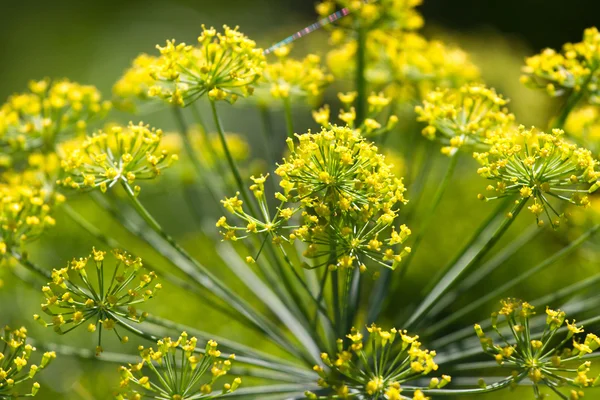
x=94, y=41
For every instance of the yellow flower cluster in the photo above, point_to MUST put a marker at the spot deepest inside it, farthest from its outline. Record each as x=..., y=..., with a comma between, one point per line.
x=288, y=78
x=15, y=367
x=134, y=84
x=25, y=212
x=472, y=116
x=179, y=370
x=538, y=165
x=541, y=358
x=223, y=65
x=371, y=126
x=107, y=304
x=576, y=68
x=416, y=66
x=49, y=113
x=122, y=154
x=583, y=125
x=346, y=197
x=398, y=14
x=397, y=356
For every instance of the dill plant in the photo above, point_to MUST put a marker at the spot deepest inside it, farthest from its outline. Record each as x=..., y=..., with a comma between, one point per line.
x=321, y=241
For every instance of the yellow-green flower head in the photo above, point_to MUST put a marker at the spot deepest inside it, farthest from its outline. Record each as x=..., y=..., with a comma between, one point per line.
x=86, y=293
x=133, y=86
x=345, y=195
x=25, y=212
x=406, y=63
x=575, y=68
x=223, y=65
x=542, y=358
x=542, y=166
x=289, y=79
x=49, y=113
x=583, y=125
x=16, y=368
x=375, y=366
x=177, y=370
x=373, y=124
x=120, y=154
x=471, y=116
x=396, y=14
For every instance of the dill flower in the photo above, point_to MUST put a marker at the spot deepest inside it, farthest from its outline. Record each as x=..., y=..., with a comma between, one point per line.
x=575, y=68
x=288, y=78
x=583, y=125
x=25, y=212
x=396, y=14
x=375, y=367
x=470, y=116
x=95, y=301
x=123, y=154
x=541, y=357
x=133, y=86
x=346, y=198
x=416, y=66
x=223, y=65
x=538, y=165
x=373, y=124
x=50, y=112
x=175, y=371
x=15, y=364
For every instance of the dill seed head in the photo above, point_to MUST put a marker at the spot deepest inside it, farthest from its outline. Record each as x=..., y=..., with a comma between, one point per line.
x=49, y=113
x=471, y=116
x=15, y=364
x=82, y=294
x=177, y=369
x=537, y=350
x=543, y=166
x=223, y=65
x=132, y=88
x=376, y=366
x=121, y=154
x=575, y=68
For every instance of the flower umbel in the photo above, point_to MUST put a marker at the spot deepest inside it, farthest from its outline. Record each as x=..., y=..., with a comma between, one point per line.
x=121, y=154
x=540, y=357
x=223, y=65
x=15, y=364
x=103, y=304
x=176, y=371
x=51, y=112
x=345, y=194
x=375, y=367
x=470, y=116
x=371, y=126
x=576, y=68
x=289, y=78
x=540, y=165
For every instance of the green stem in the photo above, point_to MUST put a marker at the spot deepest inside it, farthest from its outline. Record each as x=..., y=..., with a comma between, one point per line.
x=511, y=283
x=574, y=99
x=234, y=169
x=24, y=261
x=360, y=81
x=335, y=288
x=464, y=262
x=199, y=167
x=430, y=213
x=211, y=282
x=289, y=120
